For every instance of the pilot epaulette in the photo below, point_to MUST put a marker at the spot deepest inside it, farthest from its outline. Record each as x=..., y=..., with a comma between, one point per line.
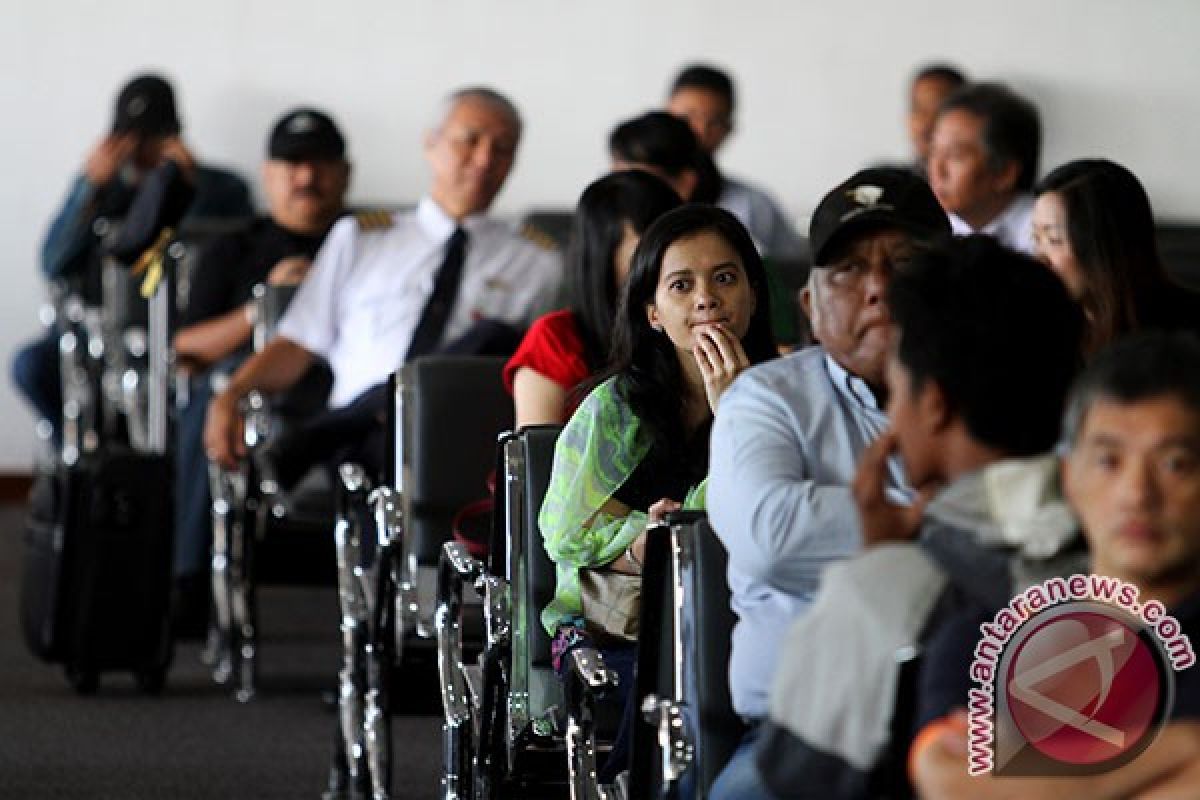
x=538, y=236
x=374, y=220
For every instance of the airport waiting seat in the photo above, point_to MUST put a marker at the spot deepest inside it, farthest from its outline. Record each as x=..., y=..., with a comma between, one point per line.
x=493, y=748
x=446, y=415
x=554, y=224
x=500, y=710
x=688, y=723
x=262, y=535
x=1179, y=246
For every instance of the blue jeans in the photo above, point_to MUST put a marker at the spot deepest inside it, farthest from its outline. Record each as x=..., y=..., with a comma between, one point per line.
x=35, y=373
x=193, y=505
x=740, y=779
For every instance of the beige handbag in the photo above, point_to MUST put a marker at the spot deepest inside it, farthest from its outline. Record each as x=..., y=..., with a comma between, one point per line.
x=611, y=603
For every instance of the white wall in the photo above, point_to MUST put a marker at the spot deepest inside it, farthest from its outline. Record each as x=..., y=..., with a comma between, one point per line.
x=822, y=91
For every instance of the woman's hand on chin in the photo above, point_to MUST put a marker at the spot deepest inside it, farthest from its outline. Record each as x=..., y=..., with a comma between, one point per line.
x=721, y=358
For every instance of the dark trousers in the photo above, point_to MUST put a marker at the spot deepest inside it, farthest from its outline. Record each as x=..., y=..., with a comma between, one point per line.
x=193, y=503
x=35, y=373
x=356, y=432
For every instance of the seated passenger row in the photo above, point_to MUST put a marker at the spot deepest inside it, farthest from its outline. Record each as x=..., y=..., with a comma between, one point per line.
x=923, y=416
x=783, y=465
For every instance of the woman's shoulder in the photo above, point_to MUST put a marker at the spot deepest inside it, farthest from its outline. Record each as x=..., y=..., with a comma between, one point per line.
x=605, y=399
x=553, y=348
x=560, y=321
x=603, y=436
x=605, y=413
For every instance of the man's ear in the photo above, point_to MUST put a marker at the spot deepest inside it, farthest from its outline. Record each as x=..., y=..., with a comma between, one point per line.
x=686, y=183
x=810, y=307
x=931, y=400
x=1064, y=476
x=1005, y=180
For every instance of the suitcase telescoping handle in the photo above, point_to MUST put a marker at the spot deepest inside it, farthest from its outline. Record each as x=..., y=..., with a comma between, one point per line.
x=158, y=352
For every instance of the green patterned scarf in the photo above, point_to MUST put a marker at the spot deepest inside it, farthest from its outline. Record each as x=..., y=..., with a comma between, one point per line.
x=596, y=453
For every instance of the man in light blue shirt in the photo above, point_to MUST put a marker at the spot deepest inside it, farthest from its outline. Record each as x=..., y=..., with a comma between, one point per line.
x=788, y=433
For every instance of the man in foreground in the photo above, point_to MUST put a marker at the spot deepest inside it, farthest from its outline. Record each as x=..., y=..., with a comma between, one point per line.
x=1132, y=475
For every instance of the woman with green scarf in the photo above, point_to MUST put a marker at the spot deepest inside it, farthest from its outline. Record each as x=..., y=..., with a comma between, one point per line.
x=692, y=316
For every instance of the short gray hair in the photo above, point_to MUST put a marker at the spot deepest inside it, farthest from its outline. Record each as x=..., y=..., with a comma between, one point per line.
x=482, y=94
x=1135, y=369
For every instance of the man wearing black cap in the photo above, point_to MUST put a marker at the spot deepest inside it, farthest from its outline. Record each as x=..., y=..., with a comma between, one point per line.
x=305, y=179
x=144, y=136
x=790, y=432
x=145, y=133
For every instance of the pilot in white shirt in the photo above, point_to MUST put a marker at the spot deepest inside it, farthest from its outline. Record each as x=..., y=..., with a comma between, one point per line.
x=371, y=280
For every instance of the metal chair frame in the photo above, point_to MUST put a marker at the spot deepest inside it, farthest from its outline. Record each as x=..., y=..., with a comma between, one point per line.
x=245, y=500
x=389, y=601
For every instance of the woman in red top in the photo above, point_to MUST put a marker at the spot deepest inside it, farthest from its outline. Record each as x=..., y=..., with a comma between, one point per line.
x=565, y=347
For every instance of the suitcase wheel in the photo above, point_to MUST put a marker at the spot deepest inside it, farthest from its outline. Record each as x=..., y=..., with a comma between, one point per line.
x=83, y=681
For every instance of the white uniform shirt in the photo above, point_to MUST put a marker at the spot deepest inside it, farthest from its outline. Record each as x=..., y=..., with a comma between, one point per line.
x=366, y=290
x=1013, y=226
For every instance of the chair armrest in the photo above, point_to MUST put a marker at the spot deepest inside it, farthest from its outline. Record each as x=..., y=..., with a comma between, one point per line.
x=456, y=568
x=675, y=746
x=587, y=678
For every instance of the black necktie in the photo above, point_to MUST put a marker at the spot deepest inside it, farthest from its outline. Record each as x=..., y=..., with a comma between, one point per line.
x=428, y=333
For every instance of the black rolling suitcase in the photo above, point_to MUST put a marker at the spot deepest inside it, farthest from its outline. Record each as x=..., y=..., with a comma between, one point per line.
x=97, y=579
x=96, y=588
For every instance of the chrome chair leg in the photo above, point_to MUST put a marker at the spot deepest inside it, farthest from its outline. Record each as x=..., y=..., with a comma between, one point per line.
x=458, y=728
x=242, y=609
x=226, y=506
x=377, y=728
x=380, y=650
x=352, y=602
x=587, y=678
x=377, y=722
x=675, y=747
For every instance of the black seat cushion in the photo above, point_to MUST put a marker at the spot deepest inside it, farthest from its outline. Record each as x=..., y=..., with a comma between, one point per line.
x=454, y=408
x=539, y=458
x=720, y=729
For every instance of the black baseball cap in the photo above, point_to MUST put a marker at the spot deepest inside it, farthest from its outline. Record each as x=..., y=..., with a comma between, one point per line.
x=146, y=105
x=305, y=133
x=877, y=197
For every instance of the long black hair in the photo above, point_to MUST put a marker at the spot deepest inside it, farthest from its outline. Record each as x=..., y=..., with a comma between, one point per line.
x=644, y=361
x=630, y=197
x=1110, y=227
